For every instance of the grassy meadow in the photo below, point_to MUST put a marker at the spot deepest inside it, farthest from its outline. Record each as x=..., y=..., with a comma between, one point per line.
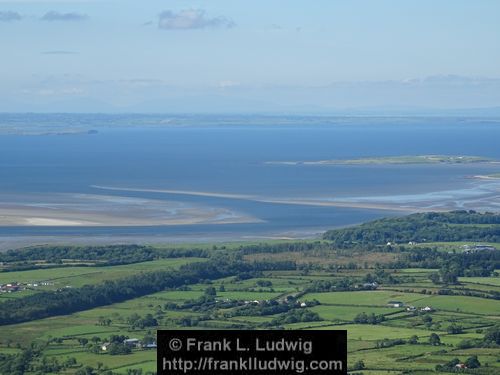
x=309, y=286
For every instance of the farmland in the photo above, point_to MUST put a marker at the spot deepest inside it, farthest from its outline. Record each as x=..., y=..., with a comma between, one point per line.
x=393, y=307
x=337, y=310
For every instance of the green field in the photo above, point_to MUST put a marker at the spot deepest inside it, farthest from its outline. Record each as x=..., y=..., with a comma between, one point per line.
x=78, y=276
x=347, y=313
x=461, y=304
x=369, y=298
x=337, y=311
x=492, y=281
x=325, y=289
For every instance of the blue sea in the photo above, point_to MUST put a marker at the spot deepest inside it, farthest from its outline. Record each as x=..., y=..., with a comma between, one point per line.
x=230, y=158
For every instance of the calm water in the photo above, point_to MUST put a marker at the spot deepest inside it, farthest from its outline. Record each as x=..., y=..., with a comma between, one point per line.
x=231, y=159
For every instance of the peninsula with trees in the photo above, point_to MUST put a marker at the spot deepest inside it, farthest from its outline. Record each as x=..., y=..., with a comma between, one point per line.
x=403, y=159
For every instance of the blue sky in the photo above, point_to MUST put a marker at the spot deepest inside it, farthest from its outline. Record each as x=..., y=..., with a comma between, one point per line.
x=321, y=56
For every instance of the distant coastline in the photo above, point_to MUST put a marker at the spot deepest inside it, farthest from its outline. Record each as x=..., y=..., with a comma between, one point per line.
x=46, y=132
x=404, y=159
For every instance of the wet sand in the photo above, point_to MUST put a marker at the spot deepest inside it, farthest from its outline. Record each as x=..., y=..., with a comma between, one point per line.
x=86, y=210
x=254, y=198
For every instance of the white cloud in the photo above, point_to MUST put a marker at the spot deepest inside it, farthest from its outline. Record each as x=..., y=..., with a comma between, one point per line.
x=191, y=19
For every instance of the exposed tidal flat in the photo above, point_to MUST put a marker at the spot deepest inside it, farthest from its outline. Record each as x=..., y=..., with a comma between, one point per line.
x=161, y=178
x=492, y=176
x=93, y=210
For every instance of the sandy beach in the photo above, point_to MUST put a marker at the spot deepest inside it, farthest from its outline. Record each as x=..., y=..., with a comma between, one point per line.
x=255, y=198
x=427, y=201
x=80, y=210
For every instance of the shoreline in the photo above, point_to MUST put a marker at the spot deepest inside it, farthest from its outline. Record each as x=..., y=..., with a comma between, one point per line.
x=289, y=201
x=122, y=211
x=485, y=177
x=86, y=210
x=383, y=162
x=35, y=219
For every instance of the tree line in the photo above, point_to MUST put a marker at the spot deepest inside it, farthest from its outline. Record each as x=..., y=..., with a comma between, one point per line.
x=67, y=301
x=109, y=255
x=421, y=227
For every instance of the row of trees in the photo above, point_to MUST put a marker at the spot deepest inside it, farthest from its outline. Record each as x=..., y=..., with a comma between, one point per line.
x=421, y=227
x=364, y=318
x=66, y=301
x=451, y=366
x=285, y=247
x=295, y=316
x=102, y=255
x=491, y=339
x=32, y=360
